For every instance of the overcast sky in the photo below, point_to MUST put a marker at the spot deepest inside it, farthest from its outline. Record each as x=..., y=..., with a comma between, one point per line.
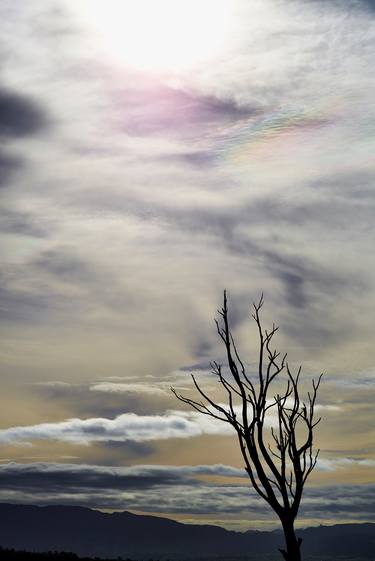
x=153, y=153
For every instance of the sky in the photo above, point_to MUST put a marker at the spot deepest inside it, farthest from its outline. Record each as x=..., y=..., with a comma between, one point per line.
x=153, y=154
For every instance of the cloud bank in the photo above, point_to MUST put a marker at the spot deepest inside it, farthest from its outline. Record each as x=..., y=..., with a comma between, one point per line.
x=174, y=490
x=125, y=427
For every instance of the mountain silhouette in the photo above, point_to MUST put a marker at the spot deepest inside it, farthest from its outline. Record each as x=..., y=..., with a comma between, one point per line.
x=88, y=532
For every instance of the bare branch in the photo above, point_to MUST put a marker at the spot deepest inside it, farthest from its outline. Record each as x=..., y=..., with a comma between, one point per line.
x=275, y=430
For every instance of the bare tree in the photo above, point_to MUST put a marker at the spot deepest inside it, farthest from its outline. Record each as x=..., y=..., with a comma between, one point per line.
x=274, y=428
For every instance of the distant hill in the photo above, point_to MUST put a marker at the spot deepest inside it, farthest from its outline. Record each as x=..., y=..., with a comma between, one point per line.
x=92, y=533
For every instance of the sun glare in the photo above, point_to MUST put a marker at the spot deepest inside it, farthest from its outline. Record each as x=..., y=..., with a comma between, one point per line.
x=160, y=35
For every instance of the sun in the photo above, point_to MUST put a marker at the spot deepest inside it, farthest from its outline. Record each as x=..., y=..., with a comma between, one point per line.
x=160, y=35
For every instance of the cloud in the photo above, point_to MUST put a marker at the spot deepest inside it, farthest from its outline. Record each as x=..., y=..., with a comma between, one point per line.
x=75, y=476
x=128, y=487
x=162, y=109
x=19, y=223
x=199, y=158
x=20, y=115
x=108, y=399
x=333, y=464
x=64, y=264
x=9, y=164
x=20, y=305
x=128, y=426
x=110, y=387
x=172, y=489
x=61, y=281
x=343, y=502
x=305, y=282
x=363, y=381
x=327, y=407
x=368, y=3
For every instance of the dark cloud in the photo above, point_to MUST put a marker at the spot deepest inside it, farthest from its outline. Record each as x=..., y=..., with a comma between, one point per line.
x=16, y=222
x=26, y=306
x=43, y=300
x=352, y=186
x=20, y=115
x=57, y=477
x=33, y=477
x=301, y=278
x=341, y=501
x=63, y=264
x=196, y=366
x=368, y=4
x=52, y=272
x=130, y=449
x=171, y=489
x=203, y=347
x=347, y=5
x=294, y=284
x=148, y=488
x=200, y=158
x=8, y=165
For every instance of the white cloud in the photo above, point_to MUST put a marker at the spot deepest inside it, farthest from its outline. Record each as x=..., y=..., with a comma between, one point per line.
x=327, y=407
x=333, y=464
x=125, y=427
x=110, y=387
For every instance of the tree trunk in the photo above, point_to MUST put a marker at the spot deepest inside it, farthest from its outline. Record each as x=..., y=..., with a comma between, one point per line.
x=292, y=543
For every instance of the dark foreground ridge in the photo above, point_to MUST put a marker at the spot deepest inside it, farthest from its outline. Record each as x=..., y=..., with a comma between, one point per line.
x=91, y=533
x=13, y=555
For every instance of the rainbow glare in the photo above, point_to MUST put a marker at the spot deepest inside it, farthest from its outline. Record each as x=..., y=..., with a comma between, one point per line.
x=257, y=137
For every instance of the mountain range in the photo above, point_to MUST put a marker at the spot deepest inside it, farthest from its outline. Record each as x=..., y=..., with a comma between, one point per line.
x=93, y=533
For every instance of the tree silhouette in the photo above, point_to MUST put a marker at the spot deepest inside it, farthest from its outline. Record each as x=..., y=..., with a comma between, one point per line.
x=274, y=430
